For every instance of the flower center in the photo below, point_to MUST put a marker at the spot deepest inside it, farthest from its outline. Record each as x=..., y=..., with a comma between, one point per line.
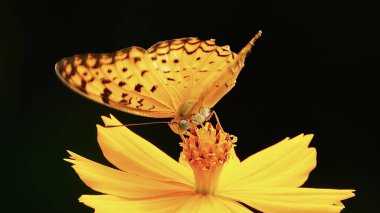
x=206, y=149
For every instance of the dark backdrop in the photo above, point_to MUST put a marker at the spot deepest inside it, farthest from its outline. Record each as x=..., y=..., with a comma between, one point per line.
x=313, y=71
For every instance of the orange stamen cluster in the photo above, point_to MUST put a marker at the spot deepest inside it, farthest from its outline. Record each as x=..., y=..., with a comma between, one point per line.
x=207, y=146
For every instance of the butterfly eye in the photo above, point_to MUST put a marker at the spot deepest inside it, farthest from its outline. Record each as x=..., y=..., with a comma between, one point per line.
x=183, y=125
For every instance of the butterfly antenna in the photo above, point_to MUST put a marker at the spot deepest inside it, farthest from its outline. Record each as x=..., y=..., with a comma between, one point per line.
x=250, y=44
x=138, y=124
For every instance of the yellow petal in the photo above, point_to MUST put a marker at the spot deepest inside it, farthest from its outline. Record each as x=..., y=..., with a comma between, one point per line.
x=133, y=154
x=230, y=167
x=115, y=182
x=182, y=160
x=208, y=203
x=286, y=164
x=284, y=200
x=113, y=204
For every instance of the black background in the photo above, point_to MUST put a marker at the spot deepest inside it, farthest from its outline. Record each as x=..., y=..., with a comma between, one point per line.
x=313, y=71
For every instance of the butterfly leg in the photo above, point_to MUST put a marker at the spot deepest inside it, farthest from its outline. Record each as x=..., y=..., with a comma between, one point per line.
x=213, y=112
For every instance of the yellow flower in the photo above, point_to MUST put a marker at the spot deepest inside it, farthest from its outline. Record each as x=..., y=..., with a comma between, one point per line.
x=208, y=177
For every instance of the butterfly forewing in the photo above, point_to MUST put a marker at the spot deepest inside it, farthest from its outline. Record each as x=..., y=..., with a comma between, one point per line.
x=120, y=80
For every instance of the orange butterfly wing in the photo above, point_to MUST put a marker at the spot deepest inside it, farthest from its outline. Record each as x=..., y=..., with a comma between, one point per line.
x=122, y=80
x=190, y=66
x=156, y=82
x=225, y=82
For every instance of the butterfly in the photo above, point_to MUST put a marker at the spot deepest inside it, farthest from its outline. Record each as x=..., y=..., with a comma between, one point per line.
x=180, y=78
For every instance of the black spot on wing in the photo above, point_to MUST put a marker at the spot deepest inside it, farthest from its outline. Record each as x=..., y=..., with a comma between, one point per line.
x=153, y=88
x=106, y=81
x=122, y=83
x=143, y=73
x=83, y=86
x=129, y=101
x=140, y=103
x=138, y=87
x=105, y=95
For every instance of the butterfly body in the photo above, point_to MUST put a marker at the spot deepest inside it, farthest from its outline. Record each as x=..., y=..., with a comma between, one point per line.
x=191, y=112
x=180, y=79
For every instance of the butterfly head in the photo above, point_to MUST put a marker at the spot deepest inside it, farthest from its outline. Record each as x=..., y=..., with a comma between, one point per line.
x=179, y=126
